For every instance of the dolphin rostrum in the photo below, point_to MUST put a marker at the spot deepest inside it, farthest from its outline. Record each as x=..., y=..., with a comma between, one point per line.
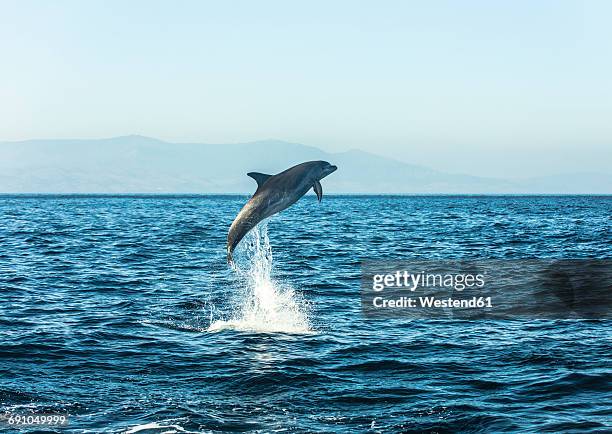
x=274, y=194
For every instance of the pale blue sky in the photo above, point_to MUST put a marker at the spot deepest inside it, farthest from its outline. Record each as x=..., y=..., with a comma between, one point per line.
x=493, y=88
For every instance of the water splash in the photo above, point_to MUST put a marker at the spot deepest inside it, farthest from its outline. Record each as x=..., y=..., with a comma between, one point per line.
x=263, y=304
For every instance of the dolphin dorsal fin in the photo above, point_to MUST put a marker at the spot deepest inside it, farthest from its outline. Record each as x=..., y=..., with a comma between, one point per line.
x=318, y=189
x=260, y=178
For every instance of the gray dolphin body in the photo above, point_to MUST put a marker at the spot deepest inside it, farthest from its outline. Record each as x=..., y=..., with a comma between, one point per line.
x=274, y=194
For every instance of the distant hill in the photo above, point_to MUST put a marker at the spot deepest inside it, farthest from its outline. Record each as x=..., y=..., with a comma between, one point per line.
x=137, y=164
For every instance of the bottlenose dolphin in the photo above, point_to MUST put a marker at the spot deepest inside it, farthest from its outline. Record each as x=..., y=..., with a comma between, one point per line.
x=274, y=194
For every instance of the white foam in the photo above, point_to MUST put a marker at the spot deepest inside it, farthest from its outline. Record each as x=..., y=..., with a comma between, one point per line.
x=263, y=304
x=156, y=426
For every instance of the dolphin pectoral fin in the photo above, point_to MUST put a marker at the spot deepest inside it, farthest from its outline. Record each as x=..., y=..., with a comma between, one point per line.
x=318, y=189
x=260, y=178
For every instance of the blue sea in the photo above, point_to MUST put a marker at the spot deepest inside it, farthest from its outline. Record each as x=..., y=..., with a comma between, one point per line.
x=122, y=312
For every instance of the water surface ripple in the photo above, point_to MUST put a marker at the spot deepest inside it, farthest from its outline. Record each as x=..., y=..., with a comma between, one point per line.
x=106, y=304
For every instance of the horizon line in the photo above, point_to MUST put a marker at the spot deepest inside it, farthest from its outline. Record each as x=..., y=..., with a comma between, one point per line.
x=328, y=195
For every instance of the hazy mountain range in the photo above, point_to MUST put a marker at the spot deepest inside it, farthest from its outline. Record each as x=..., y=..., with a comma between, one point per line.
x=137, y=164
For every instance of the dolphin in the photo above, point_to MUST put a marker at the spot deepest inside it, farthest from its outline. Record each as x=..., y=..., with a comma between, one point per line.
x=275, y=193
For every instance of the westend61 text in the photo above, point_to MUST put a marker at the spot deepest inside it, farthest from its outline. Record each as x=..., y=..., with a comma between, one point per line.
x=429, y=302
